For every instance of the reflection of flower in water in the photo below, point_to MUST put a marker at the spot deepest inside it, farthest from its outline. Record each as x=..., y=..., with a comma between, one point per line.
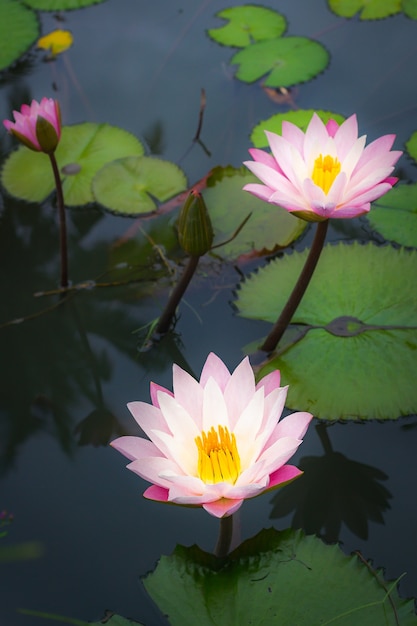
x=215, y=442
x=325, y=172
x=332, y=491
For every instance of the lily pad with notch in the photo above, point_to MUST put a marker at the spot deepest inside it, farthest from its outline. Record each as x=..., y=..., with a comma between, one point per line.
x=262, y=581
x=269, y=228
x=357, y=323
x=82, y=151
x=130, y=186
x=246, y=24
x=287, y=61
x=368, y=9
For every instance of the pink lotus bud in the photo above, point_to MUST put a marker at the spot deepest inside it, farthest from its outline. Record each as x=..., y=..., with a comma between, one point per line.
x=37, y=126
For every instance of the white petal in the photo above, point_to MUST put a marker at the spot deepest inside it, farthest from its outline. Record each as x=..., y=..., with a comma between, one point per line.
x=214, y=407
x=239, y=391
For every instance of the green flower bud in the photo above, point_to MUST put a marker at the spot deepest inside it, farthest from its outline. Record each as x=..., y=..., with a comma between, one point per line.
x=46, y=135
x=195, y=232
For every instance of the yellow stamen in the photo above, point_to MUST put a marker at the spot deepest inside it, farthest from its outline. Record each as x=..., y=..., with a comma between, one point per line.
x=218, y=458
x=325, y=171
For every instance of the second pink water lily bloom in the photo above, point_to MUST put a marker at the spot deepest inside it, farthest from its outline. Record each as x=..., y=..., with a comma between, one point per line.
x=38, y=125
x=214, y=442
x=326, y=172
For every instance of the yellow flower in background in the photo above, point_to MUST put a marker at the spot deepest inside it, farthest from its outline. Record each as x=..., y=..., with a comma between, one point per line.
x=56, y=42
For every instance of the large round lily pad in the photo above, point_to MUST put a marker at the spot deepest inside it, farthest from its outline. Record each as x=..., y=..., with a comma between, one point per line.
x=269, y=227
x=357, y=353
x=287, y=60
x=300, y=118
x=246, y=24
x=369, y=9
x=19, y=29
x=395, y=215
x=82, y=151
x=127, y=186
x=275, y=578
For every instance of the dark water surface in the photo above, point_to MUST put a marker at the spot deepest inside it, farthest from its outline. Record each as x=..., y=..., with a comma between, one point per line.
x=67, y=374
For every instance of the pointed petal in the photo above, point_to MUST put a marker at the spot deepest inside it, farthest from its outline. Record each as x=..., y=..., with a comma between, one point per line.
x=223, y=508
x=215, y=368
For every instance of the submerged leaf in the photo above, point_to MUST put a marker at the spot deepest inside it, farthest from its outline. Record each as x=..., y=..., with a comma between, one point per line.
x=269, y=227
x=19, y=29
x=278, y=577
x=369, y=9
x=395, y=215
x=300, y=118
x=82, y=151
x=287, y=60
x=359, y=323
x=127, y=186
x=248, y=23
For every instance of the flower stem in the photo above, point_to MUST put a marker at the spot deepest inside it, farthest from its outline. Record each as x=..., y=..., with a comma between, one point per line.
x=225, y=536
x=62, y=221
x=302, y=283
x=174, y=300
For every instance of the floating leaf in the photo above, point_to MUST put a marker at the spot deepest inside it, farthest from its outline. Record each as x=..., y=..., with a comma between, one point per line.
x=395, y=215
x=411, y=146
x=275, y=578
x=127, y=186
x=248, y=23
x=19, y=29
x=359, y=339
x=269, y=228
x=60, y=5
x=300, y=118
x=410, y=8
x=369, y=9
x=82, y=151
x=56, y=41
x=289, y=60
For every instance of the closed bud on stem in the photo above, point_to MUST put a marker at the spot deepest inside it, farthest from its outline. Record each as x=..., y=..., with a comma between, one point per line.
x=195, y=232
x=46, y=135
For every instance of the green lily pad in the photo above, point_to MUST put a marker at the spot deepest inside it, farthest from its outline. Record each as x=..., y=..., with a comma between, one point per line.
x=369, y=9
x=410, y=8
x=395, y=215
x=269, y=228
x=60, y=5
x=358, y=342
x=19, y=29
x=278, y=577
x=411, y=146
x=287, y=60
x=82, y=151
x=300, y=118
x=127, y=186
x=248, y=23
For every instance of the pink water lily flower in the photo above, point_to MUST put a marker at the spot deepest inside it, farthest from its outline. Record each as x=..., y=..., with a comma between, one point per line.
x=215, y=442
x=325, y=172
x=37, y=126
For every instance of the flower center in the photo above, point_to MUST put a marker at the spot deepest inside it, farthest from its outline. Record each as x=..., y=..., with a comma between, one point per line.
x=325, y=171
x=218, y=458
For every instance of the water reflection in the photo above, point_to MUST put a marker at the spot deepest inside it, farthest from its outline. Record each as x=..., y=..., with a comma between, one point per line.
x=333, y=491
